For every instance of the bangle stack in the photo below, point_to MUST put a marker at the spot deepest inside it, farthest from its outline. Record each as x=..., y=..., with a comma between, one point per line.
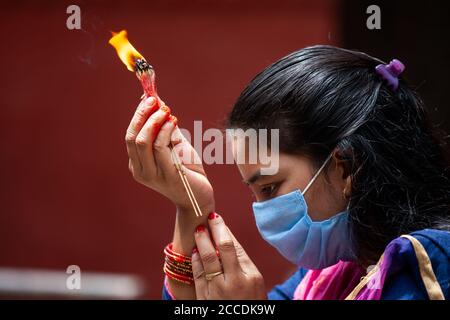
x=177, y=266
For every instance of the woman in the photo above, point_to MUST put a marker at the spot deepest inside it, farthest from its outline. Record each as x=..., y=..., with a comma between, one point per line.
x=363, y=184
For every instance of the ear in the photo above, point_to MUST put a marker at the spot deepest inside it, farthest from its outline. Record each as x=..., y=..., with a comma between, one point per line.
x=343, y=162
x=343, y=168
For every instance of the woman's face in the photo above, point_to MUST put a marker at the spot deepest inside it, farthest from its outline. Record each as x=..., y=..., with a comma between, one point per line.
x=325, y=197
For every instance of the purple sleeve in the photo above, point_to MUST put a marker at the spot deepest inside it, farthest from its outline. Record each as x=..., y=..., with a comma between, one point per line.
x=166, y=294
x=285, y=290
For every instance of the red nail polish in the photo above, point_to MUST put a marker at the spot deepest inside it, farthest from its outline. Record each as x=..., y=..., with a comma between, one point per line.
x=213, y=215
x=195, y=250
x=165, y=109
x=200, y=228
x=174, y=120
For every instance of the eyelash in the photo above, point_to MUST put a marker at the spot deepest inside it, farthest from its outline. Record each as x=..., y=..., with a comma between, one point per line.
x=272, y=187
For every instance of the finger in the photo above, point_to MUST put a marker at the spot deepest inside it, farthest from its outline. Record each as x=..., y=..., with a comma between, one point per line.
x=177, y=136
x=245, y=262
x=161, y=146
x=143, y=111
x=184, y=149
x=145, y=108
x=201, y=284
x=222, y=238
x=207, y=251
x=130, y=167
x=147, y=135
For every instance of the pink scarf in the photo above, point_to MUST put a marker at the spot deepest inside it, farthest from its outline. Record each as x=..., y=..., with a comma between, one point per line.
x=332, y=283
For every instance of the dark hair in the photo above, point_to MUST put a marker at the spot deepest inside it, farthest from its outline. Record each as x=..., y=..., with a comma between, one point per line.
x=324, y=98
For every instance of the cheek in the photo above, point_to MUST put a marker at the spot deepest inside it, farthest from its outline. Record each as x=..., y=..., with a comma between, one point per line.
x=291, y=182
x=323, y=204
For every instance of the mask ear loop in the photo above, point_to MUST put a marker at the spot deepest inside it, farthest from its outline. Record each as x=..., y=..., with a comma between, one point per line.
x=317, y=174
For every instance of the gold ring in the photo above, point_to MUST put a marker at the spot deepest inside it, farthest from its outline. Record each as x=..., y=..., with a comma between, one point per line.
x=209, y=276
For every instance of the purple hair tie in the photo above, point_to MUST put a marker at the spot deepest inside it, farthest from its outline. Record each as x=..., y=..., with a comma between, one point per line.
x=390, y=72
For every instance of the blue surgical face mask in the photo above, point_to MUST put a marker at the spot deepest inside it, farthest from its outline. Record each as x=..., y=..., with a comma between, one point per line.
x=284, y=222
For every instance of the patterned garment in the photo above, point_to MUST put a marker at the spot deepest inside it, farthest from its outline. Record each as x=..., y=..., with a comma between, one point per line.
x=415, y=266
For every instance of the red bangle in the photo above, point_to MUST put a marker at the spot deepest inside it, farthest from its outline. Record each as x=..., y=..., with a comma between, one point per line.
x=177, y=266
x=176, y=276
x=168, y=251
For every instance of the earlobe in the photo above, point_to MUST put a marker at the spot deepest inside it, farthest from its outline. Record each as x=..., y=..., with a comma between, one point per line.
x=348, y=187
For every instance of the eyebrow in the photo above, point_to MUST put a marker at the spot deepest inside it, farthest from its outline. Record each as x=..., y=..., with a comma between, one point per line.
x=253, y=178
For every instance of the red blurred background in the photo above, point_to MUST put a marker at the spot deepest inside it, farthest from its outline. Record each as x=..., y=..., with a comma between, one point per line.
x=66, y=194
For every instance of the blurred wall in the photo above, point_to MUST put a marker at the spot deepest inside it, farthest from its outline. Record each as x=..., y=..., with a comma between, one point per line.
x=416, y=32
x=66, y=194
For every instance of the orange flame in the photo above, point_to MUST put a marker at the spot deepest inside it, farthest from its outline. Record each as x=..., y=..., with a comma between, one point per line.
x=126, y=52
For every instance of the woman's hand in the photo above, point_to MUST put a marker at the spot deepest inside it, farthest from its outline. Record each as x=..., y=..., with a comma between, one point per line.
x=150, y=133
x=234, y=276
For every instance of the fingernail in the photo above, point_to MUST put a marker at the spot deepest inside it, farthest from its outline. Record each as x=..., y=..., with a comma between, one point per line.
x=200, y=228
x=150, y=101
x=165, y=109
x=195, y=250
x=213, y=216
x=174, y=120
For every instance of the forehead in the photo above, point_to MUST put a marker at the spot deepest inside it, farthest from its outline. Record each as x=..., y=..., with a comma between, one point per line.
x=241, y=151
x=251, y=150
x=249, y=142
x=289, y=166
x=248, y=171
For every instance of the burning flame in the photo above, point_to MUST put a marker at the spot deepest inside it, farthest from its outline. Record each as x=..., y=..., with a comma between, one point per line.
x=126, y=52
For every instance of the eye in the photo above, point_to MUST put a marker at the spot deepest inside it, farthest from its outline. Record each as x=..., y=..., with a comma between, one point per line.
x=268, y=190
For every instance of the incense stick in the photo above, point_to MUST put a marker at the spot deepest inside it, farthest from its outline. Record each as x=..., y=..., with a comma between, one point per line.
x=185, y=181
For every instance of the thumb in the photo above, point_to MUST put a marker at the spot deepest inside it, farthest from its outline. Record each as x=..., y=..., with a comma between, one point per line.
x=247, y=265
